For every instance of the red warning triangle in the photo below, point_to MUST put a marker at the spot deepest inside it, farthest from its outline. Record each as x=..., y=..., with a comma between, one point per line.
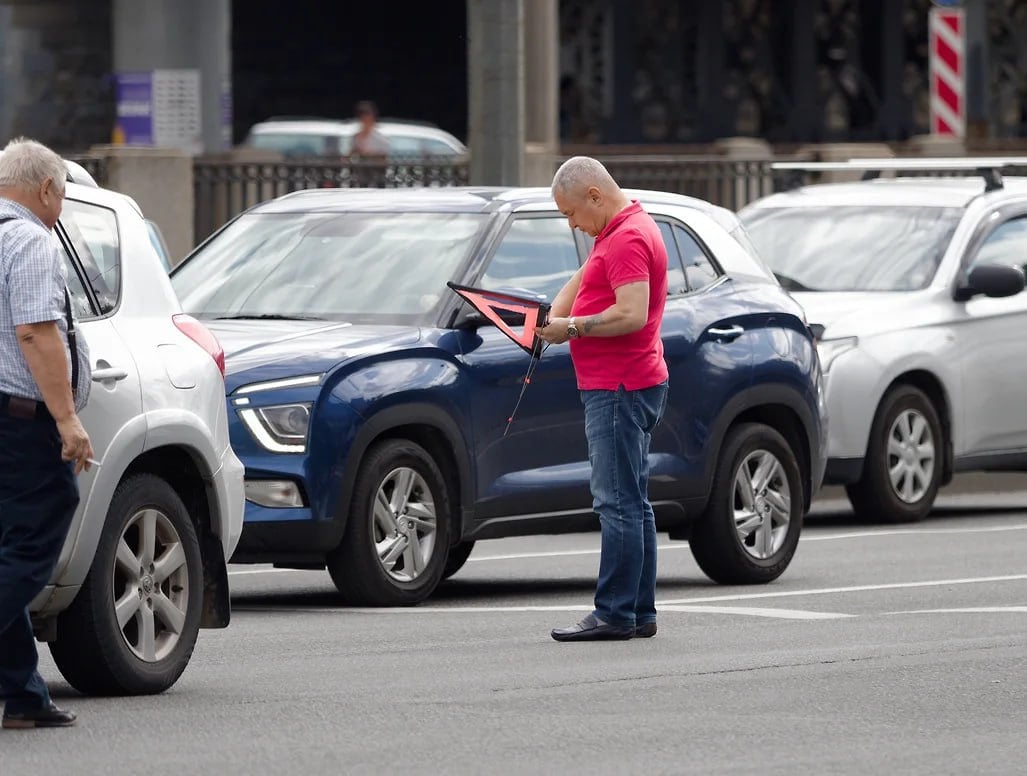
x=488, y=303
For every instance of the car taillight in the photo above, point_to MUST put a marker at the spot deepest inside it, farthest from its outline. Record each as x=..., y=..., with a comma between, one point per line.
x=202, y=336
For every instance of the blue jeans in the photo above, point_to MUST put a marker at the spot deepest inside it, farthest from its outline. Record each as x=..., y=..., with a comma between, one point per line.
x=38, y=496
x=619, y=426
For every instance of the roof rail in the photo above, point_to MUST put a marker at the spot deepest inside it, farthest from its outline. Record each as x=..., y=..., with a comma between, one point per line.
x=78, y=174
x=987, y=167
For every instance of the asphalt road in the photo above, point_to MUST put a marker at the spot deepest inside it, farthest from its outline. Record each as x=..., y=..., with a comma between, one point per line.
x=882, y=649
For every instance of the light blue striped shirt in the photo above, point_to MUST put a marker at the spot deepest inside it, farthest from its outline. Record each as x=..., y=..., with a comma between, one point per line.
x=32, y=282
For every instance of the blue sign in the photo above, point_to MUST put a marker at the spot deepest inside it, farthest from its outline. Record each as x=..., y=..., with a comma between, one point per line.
x=134, y=96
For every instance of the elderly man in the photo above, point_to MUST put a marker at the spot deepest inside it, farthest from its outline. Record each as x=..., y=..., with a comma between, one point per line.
x=42, y=442
x=611, y=311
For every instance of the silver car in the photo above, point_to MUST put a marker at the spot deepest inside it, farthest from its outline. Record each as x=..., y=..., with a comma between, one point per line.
x=143, y=567
x=913, y=286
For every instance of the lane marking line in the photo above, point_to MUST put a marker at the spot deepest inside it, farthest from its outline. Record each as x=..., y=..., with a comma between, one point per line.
x=967, y=610
x=682, y=545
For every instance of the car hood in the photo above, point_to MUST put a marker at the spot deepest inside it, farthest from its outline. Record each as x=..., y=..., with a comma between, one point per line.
x=271, y=350
x=862, y=313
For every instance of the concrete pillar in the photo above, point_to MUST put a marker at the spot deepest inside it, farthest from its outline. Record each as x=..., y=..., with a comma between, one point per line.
x=541, y=91
x=132, y=171
x=495, y=66
x=182, y=34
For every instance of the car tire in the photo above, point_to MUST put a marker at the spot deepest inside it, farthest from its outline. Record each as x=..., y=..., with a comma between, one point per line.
x=394, y=550
x=148, y=566
x=458, y=555
x=906, y=430
x=749, y=536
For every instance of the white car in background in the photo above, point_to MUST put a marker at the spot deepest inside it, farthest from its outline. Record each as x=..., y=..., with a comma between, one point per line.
x=914, y=288
x=144, y=564
x=331, y=137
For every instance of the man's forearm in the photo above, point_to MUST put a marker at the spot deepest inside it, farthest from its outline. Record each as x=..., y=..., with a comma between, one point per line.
x=564, y=300
x=611, y=322
x=44, y=352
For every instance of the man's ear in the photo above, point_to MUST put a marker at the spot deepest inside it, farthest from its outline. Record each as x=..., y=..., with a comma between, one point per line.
x=594, y=195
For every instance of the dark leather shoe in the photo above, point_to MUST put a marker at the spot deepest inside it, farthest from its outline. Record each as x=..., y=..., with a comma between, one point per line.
x=646, y=630
x=47, y=717
x=590, y=629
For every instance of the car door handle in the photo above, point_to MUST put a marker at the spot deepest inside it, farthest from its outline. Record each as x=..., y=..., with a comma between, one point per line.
x=109, y=373
x=727, y=334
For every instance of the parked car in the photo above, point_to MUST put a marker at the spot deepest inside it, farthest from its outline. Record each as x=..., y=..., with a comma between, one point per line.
x=370, y=404
x=914, y=286
x=143, y=567
x=292, y=136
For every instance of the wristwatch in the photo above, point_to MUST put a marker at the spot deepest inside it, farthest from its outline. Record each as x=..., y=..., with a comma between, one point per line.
x=572, y=329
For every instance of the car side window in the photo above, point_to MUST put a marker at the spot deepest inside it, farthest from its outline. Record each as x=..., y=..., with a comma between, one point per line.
x=699, y=271
x=93, y=232
x=675, y=271
x=80, y=304
x=536, y=254
x=432, y=147
x=1006, y=245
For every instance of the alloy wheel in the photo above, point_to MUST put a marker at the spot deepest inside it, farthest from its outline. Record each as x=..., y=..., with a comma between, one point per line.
x=152, y=575
x=404, y=523
x=762, y=504
x=911, y=456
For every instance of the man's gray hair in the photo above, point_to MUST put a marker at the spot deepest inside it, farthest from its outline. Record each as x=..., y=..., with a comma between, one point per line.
x=26, y=164
x=580, y=172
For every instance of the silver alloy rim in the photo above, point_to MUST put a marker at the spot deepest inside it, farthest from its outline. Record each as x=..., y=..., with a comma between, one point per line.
x=910, y=456
x=151, y=585
x=404, y=523
x=762, y=504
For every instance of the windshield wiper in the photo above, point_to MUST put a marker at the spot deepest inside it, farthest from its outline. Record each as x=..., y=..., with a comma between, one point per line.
x=791, y=284
x=268, y=317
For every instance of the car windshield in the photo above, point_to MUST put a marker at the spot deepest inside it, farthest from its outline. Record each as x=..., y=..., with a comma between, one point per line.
x=364, y=267
x=853, y=248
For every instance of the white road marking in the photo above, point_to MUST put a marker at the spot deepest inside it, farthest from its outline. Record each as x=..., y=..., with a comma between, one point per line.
x=684, y=545
x=784, y=614
x=967, y=610
x=851, y=589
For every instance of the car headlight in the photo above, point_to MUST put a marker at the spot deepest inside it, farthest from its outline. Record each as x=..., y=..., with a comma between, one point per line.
x=280, y=429
x=828, y=350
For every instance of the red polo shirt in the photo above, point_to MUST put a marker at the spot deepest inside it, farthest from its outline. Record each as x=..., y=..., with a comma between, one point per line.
x=630, y=248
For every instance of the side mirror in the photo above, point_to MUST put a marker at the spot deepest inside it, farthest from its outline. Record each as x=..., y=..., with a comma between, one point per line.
x=994, y=280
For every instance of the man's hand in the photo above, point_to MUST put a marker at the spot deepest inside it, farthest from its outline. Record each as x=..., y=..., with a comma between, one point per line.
x=555, y=331
x=75, y=444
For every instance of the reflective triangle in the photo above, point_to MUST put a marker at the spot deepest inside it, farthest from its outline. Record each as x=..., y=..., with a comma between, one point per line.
x=489, y=303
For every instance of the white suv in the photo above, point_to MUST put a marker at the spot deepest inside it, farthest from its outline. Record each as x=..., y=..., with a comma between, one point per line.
x=914, y=287
x=143, y=567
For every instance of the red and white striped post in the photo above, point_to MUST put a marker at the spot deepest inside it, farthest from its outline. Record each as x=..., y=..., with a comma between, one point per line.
x=946, y=33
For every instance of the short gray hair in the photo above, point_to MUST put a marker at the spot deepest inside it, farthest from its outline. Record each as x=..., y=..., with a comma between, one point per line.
x=26, y=164
x=580, y=172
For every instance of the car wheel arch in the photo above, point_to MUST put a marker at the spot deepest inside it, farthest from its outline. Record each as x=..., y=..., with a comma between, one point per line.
x=778, y=406
x=933, y=387
x=434, y=429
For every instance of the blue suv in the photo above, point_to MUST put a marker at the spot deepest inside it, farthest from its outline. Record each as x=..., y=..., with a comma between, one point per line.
x=370, y=404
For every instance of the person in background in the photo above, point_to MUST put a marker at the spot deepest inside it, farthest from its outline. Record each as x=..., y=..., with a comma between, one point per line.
x=611, y=312
x=368, y=142
x=44, y=382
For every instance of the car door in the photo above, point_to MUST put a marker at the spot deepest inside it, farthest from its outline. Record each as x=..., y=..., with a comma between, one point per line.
x=992, y=342
x=89, y=238
x=538, y=463
x=708, y=340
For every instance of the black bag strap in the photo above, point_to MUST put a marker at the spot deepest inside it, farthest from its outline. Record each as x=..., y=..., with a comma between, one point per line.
x=72, y=335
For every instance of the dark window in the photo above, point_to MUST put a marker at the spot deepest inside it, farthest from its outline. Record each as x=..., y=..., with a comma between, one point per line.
x=536, y=255
x=93, y=231
x=675, y=272
x=1006, y=245
x=699, y=271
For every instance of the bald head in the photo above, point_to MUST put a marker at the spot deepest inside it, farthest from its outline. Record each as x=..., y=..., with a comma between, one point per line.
x=587, y=194
x=579, y=173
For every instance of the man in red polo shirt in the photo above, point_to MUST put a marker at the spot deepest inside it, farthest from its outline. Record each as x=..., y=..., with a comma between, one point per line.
x=611, y=311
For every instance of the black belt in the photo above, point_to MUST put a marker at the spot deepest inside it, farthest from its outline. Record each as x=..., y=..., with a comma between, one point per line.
x=27, y=409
